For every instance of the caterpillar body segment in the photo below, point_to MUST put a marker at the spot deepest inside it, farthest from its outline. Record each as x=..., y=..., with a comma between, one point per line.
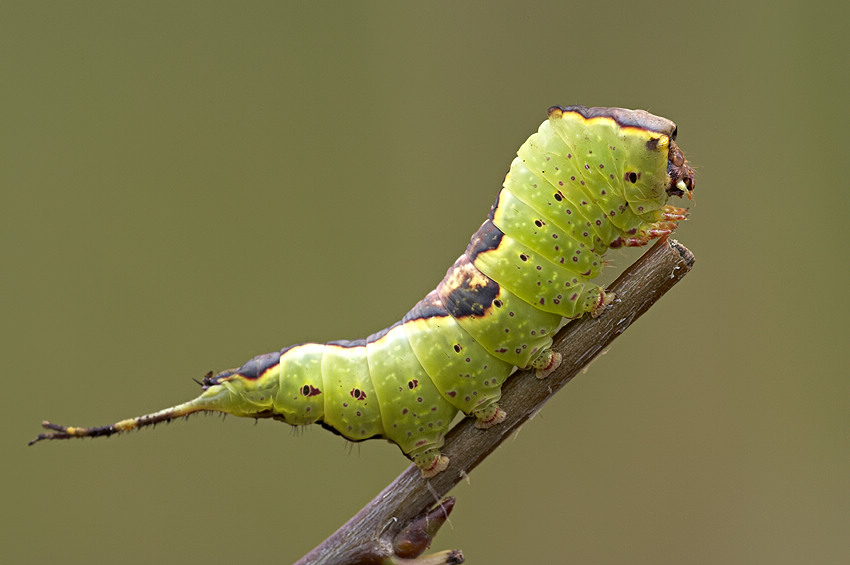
x=589, y=179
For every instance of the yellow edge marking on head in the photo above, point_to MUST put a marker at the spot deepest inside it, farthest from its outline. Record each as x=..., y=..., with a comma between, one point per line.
x=647, y=134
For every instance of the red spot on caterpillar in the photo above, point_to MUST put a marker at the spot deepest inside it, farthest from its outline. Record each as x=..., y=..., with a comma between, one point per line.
x=310, y=390
x=412, y=384
x=357, y=394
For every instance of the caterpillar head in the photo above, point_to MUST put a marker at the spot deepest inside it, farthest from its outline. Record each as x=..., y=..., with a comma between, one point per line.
x=680, y=173
x=655, y=167
x=632, y=148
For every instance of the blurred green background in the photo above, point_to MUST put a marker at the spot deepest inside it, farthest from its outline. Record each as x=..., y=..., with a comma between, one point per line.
x=185, y=185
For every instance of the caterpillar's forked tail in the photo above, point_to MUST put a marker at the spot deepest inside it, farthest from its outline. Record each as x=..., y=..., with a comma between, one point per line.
x=215, y=399
x=68, y=432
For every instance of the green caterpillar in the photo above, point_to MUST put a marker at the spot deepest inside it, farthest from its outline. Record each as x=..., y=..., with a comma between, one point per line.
x=589, y=179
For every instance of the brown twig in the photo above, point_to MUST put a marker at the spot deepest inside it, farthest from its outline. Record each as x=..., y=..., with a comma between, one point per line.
x=368, y=536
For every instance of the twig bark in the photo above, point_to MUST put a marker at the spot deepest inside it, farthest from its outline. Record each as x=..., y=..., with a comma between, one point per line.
x=367, y=537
